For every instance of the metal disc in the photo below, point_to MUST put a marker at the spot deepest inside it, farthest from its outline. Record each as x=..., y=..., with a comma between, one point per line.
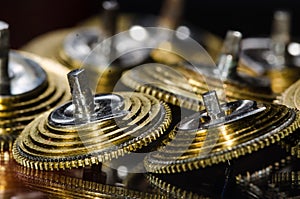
x=197, y=142
x=46, y=145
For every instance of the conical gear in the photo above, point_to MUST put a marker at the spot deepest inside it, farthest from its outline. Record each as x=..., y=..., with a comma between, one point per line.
x=122, y=123
x=217, y=135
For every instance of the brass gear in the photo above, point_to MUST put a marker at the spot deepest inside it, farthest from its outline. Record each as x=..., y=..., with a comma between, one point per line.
x=182, y=86
x=56, y=185
x=235, y=88
x=291, y=97
x=165, y=84
x=16, y=111
x=198, y=142
x=49, y=144
x=174, y=191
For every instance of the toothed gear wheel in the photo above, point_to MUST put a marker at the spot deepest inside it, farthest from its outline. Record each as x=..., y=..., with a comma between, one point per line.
x=61, y=186
x=291, y=97
x=174, y=191
x=37, y=85
x=198, y=142
x=238, y=86
x=182, y=86
x=287, y=178
x=123, y=122
x=278, y=179
x=165, y=84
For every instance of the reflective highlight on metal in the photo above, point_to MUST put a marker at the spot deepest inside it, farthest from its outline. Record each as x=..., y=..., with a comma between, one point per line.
x=181, y=84
x=199, y=141
x=61, y=186
x=123, y=122
x=276, y=57
x=291, y=97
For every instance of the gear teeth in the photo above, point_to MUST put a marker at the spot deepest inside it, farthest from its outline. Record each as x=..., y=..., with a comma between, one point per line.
x=279, y=178
x=264, y=173
x=182, y=87
x=164, y=84
x=17, y=111
x=171, y=190
x=290, y=97
x=238, y=138
x=63, y=186
x=288, y=177
x=234, y=89
x=44, y=147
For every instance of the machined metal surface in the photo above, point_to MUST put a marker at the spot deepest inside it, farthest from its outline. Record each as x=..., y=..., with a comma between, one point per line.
x=29, y=86
x=47, y=145
x=38, y=86
x=291, y=97
x=183, y=83
x=164, y=83
x=199, y=141
x=26, y=75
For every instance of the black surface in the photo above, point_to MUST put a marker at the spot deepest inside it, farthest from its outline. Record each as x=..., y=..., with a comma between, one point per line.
x=31, y=18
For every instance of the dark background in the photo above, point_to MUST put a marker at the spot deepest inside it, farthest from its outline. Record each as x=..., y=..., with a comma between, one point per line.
x=30, y=18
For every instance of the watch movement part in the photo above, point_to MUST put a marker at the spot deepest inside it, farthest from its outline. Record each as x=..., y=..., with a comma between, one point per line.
x=30, y=85
x=120, y=123
x=56, y=185
x=200, y=141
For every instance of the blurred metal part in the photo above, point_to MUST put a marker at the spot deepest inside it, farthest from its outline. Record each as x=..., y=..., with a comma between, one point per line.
x=29, y=86
x=61, y=186
x=227, y=63
x=280, y=35
x=291, y=97
x=280, y=179
x=276, y=57
x=10, y=186
x=171, y=14
x=17, y=110
x=47, y=45
x=172, y=190
x=165, y=84
x=182, y=84
x=210, y=42
x=4, y=50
